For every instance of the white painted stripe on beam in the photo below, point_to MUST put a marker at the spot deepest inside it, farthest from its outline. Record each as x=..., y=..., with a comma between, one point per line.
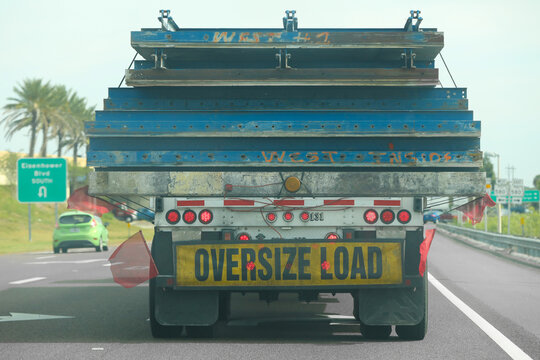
x=19, y=282
x=508, y=346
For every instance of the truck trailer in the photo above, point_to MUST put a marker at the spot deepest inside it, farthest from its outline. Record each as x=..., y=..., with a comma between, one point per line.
x=286, y=160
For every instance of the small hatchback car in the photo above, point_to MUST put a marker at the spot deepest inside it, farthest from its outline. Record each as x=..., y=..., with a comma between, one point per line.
x=77, y=229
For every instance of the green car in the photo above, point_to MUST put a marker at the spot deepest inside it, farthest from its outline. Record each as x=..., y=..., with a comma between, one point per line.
x=77, y=229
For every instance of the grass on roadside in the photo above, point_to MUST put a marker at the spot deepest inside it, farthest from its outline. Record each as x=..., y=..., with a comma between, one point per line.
x=14, y=225
x=530, y=228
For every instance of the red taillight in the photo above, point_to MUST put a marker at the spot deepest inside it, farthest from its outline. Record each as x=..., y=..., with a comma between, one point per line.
x=94, y=223
x=371, y=216
x=404, y=216
x=244, y=237
x=288, y=216
x=205, y=216
x=172, y=216
x=332, y=236
x=189, y=216
x=271, y=217
x=304, y=216
x=387, y=216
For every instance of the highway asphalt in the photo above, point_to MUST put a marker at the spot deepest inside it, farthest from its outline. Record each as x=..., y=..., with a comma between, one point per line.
x=102, y=320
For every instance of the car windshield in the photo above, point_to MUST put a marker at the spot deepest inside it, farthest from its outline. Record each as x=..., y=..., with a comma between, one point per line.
x=75, y=219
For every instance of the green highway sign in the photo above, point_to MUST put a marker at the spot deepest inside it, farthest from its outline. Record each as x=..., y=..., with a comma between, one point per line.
x=41, y=180
x=528, y=196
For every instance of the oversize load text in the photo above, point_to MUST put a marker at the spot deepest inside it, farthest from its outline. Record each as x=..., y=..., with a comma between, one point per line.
x=288, y=264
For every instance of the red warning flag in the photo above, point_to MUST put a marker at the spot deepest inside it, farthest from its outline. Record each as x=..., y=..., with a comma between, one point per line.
x=474, y=210
x=80, y=200
x=424, y=249
x=132, y=263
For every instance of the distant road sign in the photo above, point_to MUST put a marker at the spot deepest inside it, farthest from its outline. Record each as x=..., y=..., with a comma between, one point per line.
x=528, y=196
x=41, y=180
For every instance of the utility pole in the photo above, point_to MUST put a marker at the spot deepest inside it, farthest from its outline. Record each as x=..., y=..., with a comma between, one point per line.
x=510, y=179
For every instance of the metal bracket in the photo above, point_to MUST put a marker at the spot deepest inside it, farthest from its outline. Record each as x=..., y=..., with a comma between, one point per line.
x=167, y=22
x=283, y=58
x=415, y=15
x=408, y=56
x=290, y=22
x=159, y=59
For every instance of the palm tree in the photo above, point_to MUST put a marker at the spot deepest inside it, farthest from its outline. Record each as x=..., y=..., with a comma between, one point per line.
x=25, y=109
x=54, y=115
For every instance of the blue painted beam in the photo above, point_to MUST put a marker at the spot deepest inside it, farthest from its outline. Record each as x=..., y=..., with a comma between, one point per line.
x=193, y=126
x=280, y=158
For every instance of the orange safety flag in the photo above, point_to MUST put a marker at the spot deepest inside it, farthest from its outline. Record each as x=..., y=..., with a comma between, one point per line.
x=80, y=200
x=132, y=263
x=474, y=210
x=424, y=249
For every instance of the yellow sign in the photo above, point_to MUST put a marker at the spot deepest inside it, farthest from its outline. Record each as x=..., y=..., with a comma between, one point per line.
x=288, y=264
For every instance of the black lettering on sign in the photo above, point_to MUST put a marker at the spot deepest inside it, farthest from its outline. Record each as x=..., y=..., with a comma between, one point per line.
x=341, y=261
x=265, y=264
x=201, y=253
x=244, y=255
x=303, y=263
x=287, y=275
x=358, y=266
x=231, y=264
x=277, y=261
x=217, y=263
x=324, y=275
x=374, y=261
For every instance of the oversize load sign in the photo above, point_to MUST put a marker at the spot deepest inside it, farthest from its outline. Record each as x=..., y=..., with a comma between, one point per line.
x=286, y=264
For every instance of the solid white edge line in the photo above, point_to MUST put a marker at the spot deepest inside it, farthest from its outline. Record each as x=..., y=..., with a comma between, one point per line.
x=508, y=346
x=19, y=282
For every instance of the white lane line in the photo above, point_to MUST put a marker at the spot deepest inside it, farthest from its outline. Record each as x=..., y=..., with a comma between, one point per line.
x=508, y=346
x=109, y=264
x=45, y=257
x=19, y=282
x=65, y=262
x=97, y=349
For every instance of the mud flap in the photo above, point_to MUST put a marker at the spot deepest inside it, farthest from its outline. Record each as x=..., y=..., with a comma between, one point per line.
x=186, y=307
x=403, y=306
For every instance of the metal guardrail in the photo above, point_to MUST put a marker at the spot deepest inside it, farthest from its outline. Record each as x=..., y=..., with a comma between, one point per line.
x=526, y=246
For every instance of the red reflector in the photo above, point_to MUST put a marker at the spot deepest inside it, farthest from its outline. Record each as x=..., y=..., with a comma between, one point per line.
x=332, y=236
x=404, y=216
x=304, y=216
x=371, y=216
x=387, y=216
x=339, y=202
x=172, y=216
x=238, y=202
x=289, y=202
x=243, y=237
x=325, y=265
x=386, y=202
x=190, y=203
x=189, y=216
x=288, y=216
x=271, y=217
x=205, y=216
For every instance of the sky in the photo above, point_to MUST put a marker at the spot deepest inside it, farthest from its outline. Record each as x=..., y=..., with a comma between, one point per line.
x=491, y=47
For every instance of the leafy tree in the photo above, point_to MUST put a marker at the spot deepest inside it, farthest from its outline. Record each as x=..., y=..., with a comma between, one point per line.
x=536, y=181
x=54, y=115
x=24, y=111
x=488, y=168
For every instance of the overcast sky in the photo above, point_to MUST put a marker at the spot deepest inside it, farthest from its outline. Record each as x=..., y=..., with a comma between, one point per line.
x=491, y=47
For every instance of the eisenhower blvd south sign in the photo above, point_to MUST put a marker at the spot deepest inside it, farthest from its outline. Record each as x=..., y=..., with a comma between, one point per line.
x=41, y=180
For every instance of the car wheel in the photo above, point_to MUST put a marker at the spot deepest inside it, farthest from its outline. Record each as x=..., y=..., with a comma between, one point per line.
x=129, y=219
x=98, y=248
x=56, y=250
x=105, y=248
x=64, y=250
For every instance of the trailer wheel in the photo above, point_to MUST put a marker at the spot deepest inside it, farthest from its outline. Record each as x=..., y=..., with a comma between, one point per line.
x=375, y=332
x=418, y=331
x=158, y=330
x=200, y=332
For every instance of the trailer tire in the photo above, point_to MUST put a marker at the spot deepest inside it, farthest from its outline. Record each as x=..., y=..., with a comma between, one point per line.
x=160, y=331
x=412, y=332
x=375, y=332
x=200, y=332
